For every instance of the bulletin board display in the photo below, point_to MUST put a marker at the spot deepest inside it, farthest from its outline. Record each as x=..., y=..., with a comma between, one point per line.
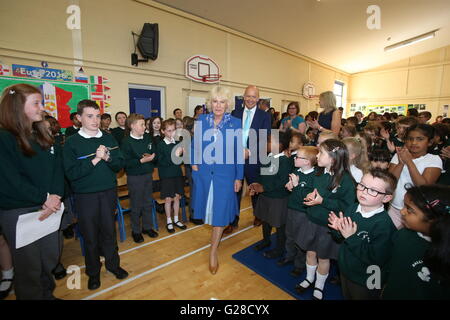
x=379, y=109
x=60, y=99
x=60, y=88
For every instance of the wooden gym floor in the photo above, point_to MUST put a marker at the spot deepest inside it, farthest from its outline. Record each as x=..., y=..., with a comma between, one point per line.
x=175, y=267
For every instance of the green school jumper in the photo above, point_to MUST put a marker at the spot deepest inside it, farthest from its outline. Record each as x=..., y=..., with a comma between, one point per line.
x=335, y=200
x=132, y=150
x=70, y=131
x=274, y=184
x=370, y=245
x=84, y=177
x=166, y=168
x=118, y=134
x=408, y=277
x=25, y=181
x=305, y=186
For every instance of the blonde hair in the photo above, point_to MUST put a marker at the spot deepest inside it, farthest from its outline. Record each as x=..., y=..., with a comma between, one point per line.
x=327, y=135
x=357, y=147
x=329, y=101
x=220, y=92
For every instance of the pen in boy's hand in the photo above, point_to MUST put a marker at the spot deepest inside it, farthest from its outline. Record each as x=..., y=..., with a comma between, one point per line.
x=93, y=154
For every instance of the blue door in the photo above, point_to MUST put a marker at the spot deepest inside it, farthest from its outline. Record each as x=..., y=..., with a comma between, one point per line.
x=145, y=102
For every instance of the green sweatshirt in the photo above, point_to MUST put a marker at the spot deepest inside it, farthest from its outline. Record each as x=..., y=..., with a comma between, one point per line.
x=370, y=245
x=305, y=186
x=118, y=134
x=132, y=150
x=336, y=200
x=84, y=177
x=166, y=168
x=274, y=184
x=408, y=277
x=70, y=131
x=25, y=181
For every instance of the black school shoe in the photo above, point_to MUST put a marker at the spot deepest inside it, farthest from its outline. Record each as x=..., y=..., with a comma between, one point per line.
x=59, y=272
x=151, y=233
x=5, y=293
x=137, y=237
x=170, y=230
x=119, y=273
x=94, y=282
x=68, y=233
x=284, y=261
x=261, y=245
x=272, y=254
x=180, y=225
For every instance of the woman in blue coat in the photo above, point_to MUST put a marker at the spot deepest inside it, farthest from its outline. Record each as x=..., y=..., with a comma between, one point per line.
x=217, y=167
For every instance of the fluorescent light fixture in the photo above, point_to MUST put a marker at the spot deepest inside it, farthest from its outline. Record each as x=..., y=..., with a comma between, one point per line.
x=411, y=41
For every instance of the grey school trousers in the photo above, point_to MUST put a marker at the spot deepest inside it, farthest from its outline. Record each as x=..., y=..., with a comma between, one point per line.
x=96, y=220
x=140, y=192
x=293, y=252
x=33, y=264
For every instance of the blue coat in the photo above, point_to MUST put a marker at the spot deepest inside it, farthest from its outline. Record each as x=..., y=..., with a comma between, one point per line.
x=217, y=161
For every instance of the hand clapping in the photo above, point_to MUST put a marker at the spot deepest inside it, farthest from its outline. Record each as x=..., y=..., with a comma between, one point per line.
x=344, y=225
x=147, y=157
x=404, y=156
x=313, y=198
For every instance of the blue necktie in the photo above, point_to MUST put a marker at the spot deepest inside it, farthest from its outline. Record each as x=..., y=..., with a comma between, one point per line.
x=246, y=128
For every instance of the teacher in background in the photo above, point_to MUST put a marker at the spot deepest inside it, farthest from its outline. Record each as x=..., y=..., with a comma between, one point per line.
x=217, y=167
x=293, y=120
x=330, y=118
x=32, y=180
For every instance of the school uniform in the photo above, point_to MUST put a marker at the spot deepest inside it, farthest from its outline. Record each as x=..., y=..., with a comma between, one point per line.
x=296, y=215
x=170, y=174
x=369, y=246
x=408, y=277
x=271, y=206
x=157, y=139
x=25, y=185
x=95, y=194
x=139, y=179
x=118, y=134
x=316, y=236
x=70, y=131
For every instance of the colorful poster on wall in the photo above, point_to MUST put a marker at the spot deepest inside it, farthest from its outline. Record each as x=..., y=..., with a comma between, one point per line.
x=62, y=91
x=60, y=99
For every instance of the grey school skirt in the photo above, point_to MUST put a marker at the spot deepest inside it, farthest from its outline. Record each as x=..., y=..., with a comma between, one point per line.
x=272, y=210
x=317, y=238
x=171, y=187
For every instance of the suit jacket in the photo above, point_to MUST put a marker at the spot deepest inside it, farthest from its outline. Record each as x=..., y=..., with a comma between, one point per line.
x=261, y=120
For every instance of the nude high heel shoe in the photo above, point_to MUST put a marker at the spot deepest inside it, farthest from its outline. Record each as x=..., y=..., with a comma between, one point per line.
x=213, y=269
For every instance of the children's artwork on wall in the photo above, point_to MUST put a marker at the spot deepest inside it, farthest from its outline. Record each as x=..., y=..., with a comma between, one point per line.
x=379, y=109
x=61, y=90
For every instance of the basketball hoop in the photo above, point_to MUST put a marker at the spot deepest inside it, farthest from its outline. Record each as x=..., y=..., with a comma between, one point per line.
x=211, y=78
x=203, y=69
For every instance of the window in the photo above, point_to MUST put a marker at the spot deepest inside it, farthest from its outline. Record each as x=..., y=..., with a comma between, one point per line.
x=339, y=93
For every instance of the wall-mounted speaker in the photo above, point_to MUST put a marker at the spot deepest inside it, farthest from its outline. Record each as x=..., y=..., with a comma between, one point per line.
x=148, y=41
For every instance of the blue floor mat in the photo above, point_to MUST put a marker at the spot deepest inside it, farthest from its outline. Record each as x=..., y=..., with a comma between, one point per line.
x=280, y=276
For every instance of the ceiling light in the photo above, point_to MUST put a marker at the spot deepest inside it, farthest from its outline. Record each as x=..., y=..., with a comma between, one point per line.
x=411, y=41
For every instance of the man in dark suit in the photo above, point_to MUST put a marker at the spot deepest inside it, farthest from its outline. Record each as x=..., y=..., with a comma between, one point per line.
x=256, y=119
